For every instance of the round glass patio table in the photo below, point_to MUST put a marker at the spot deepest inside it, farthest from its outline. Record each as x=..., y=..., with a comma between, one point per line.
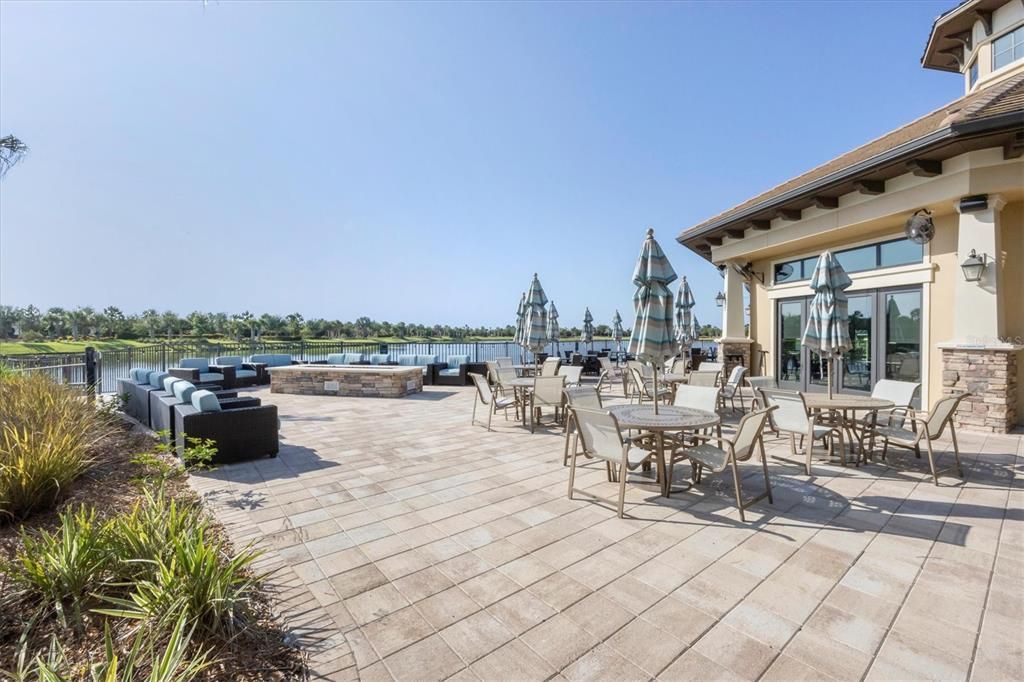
x=668, y=418
x=842, y=405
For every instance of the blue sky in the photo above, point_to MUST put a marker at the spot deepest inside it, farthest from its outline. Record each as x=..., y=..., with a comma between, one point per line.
x=418, y=162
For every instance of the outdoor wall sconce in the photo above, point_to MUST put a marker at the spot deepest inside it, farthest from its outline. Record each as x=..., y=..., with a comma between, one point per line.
x=974, y=266
x=720, y=299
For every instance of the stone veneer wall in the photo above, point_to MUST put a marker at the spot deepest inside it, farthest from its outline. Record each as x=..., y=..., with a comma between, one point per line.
x=725, y=349
x=991, y=376
x=360, y=383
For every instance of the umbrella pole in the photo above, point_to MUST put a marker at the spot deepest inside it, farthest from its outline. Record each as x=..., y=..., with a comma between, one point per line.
x=655, y=390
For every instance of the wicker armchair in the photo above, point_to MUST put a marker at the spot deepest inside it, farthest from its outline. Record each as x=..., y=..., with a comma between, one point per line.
x=240, y=433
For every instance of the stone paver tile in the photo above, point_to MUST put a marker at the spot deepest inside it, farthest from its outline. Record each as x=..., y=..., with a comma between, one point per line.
x=787, y=669
x=715, y=593
x=427, y=659
x=521, y=611
x=758, y=621
x=329, y=544
x=631, y=594
x=339, y=562
x=422, y=584
x=683, y=620
x=396, y=631
x=996, y=664
x=816, y=649
x=877, y=611
x=646, y=645
x=730, y=648
x=446, y=607
x=376, y=603
x=358, y=580
x=377, y=672
x=513, y=661
x=476, y=636
x=559, y=590
x=526, y=570
x=489, y=587
x=853, y=631
x=499, y=552
x=603, y=663
x=598, y=615
x=463, y=567
x=693, y=665
x=559, y=641
x=924, y=661
x=402, y=564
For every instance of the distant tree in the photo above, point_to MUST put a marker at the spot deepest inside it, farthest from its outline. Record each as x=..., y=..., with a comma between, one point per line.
x=200, y=323
x=293, y=325
x=113, y=322
x=8, y=319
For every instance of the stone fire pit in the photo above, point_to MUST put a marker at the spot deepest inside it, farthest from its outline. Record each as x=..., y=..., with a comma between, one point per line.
x=369, y=381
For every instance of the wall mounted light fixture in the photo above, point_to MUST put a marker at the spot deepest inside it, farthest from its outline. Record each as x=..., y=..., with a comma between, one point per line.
x=720, y=299
x=974, y=266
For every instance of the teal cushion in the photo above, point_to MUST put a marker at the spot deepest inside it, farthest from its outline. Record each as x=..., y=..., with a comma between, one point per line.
x=449, y=372
x=455, y=360
x=234, y=360
x=353, y=358
x=338, y=359
x=202, y=364
x=169, y=383
x=183, y=391
x=426, y=359
x=156, y=379
x=407, y=360
x=274, y=359
x=245, y=373
x=380, y=359
x=206, y=377
x=139, y=375
x=205, y=401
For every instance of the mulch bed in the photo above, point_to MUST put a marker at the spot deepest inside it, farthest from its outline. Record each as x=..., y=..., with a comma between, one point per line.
x=111, y=486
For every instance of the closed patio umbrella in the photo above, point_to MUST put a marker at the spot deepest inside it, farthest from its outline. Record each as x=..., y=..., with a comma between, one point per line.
x=684, y=304
x=517, y=338
x=828, y=315
x=535, y=318
x=587, y=336
x=617, y=332
x=652, y=340
x=553, y=330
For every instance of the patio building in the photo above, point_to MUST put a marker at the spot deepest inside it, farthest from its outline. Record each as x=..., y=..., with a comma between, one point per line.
x=943, y=308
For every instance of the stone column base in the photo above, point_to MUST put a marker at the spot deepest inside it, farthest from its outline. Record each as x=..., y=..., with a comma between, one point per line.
x=990, y=374
x=728, y=350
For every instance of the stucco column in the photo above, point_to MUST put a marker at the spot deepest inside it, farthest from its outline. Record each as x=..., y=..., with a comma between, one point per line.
x=732, y=311
x=976, y=304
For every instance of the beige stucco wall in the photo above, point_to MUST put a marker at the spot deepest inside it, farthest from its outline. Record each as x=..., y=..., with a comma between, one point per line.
x=1011, y=281
x=940, y=294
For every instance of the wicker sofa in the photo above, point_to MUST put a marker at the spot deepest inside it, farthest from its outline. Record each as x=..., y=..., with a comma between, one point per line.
x=240, y=433
x=179, y=392
x=455, y=372
x=135, y=392
x=198, y=371
x=429, y=363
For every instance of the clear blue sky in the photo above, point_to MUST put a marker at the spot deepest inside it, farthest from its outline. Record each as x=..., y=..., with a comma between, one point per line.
x=418, y=162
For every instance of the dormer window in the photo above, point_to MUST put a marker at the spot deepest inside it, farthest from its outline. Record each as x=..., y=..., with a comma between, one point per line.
x=972, y=74
x=1008, y=48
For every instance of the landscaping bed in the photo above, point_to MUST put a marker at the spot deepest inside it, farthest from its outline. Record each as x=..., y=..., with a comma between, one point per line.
x=119, y=574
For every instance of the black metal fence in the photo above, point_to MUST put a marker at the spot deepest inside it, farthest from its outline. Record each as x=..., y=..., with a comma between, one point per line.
x=103, y=369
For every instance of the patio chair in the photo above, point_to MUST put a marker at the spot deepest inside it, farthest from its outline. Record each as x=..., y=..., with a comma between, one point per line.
x=239, y=434
x=601, y=438
x=550, y=367
x=728, y=454
x=757, y=400
x=179, y=392
x=504, y=362
x=794, y=418
x=712, y=366
x=604, y=381
x=902, y=395
x=197, y=370
x=680, y=365
x=572, y=375
x=703, y=378
x=580, y=396
x=734, y=388
x=547, y=393
x=490, y=401
x=645, y=388
x=705, y=398
x=928, y=428
x=246, y=373
x=454, y=372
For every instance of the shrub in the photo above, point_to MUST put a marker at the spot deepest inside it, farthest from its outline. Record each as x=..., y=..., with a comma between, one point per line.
x=46, y=438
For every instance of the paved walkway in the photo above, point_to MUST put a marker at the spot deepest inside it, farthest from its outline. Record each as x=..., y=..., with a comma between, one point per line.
x=409, y=545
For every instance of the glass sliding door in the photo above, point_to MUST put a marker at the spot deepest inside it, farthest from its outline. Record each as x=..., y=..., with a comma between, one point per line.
x=791, y=327
x=857, y=364
x=903, y=335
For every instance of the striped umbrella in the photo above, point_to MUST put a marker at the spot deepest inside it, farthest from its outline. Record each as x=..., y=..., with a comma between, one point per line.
x=828, y=315
x=588, y=328
x=617, y=331
x=684, y=304
x=554, y=332
x=517, y=338
x=535, y=318
x=652, y=340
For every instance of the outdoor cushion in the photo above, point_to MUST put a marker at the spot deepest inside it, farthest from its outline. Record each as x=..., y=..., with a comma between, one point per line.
x=379, y=359
x=426, y=359
x=156, y=379
x=210, y=376
x=408, y=360
x=139, y=375
x=274, y=359
x=455, y=360
x=205, y=401
x=244, y=373
x=202, y=364
x=449, y=372
x=169, y=383
x=183, y=391
x=234, y=360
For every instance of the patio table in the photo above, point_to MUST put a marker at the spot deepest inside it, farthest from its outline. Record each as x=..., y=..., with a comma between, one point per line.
x=521, y=387
x=842, y=405
x=525, y=370
x=668, y=419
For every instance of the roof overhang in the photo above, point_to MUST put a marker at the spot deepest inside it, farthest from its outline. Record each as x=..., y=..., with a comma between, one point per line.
x=951, y=34
x=922, y=156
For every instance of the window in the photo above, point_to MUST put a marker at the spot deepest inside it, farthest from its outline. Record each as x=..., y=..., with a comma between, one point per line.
x=868, y=257
x=972, y=74
x=1008, y=48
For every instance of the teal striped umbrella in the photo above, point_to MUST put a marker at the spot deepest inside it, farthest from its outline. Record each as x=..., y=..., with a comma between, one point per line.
x=554, y=333
x=684, y=304
x=828, y=314
x=652, y=340
x=617, y=331
x=517, y=338
x=535, y=318
x=587, y=336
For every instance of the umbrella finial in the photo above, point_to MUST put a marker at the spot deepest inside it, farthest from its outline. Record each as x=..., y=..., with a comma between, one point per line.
x=650, y=232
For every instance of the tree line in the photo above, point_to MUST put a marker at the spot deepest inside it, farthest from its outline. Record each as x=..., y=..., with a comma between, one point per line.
x=32, y=324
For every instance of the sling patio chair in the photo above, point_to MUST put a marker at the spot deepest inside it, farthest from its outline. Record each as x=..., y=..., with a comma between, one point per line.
x=794, y=418
x=607, y=365
x=604, y=381
x=928, y=428
x=645, y=388
x=546, y=394
x=706, y=398
x=550, y=367
x=728, y=454
x=734, y=387
x=756, y=384
x=581, y=396
x=601, y=438
x=572, y=375
x=680, y=365
x=711, y=366
x=490, y=401
x=702, y=377
x=902, y=395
